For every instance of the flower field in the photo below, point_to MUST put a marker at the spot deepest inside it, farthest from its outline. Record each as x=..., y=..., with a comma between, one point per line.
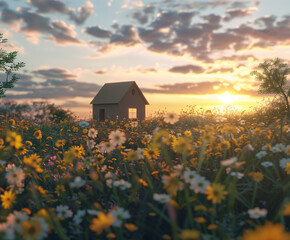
x=165, y=178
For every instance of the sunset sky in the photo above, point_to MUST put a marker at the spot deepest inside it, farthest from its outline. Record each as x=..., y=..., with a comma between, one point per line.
x=179, y=52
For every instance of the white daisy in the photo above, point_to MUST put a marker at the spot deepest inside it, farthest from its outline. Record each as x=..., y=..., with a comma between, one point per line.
x=120, y=214
x=171, y=118
x=117, y=138
x=63, y=211
x=161, y=198
x=256, y=213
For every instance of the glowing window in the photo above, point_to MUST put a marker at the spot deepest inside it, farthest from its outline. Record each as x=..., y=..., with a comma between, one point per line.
x=132, y=112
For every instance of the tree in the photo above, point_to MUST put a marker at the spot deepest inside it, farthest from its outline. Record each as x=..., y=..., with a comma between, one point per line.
x=273, y=77
x=8, y=66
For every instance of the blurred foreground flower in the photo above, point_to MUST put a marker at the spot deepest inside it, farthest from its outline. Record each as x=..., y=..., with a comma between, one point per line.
x=103, y=222
x=171, y=118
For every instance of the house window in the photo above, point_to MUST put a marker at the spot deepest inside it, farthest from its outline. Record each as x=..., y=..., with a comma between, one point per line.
x=132, y=112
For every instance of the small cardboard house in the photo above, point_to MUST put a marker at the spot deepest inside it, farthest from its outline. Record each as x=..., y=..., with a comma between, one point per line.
x=119, y=100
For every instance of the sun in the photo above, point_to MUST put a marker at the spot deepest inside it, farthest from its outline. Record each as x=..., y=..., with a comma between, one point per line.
x=227, y=97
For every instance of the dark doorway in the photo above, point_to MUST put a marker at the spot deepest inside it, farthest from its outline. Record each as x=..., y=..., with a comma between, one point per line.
x=102, y=114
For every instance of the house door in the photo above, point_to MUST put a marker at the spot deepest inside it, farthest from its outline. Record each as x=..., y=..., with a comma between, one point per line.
x=102, y=114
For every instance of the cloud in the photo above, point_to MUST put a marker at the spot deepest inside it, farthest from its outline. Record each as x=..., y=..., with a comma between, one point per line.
x=55, y=6
x=101, y=72
x=49, y=6
x=201, y=88
x=187, y=69
x=54, y=73
x=98, y=32
x=74, y=104
x=53, y=89
x=143, y=15
x=238, y=13
x=221, y=70
x=33, y=23
x=147, y=70
x=82, y=14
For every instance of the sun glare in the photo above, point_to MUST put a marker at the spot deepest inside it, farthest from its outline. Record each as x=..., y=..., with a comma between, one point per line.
x=227, y=97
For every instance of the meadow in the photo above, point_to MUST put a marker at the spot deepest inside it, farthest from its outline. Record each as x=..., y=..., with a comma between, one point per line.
x=171, y=177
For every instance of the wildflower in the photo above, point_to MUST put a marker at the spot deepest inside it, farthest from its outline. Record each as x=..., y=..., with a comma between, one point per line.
x=14, y=139
x=37, y=134
x=171, y=118
x=242, y=122
x=14, y=175
x=131, y=227
x=267, y=164
x=172, y=183
x=189, y=234
x=105, y=147
x=286, y=210
x=199, y=184
x=261, y=154
x=103, y=222
x=287, y=168
x=35, y=228
x=216, y=193
x=122, y=184
x=28, y=143
x=212, y=226
x=93, y=133
x=225, y=145
x=132, y=155
x=16, y=219
x=60, y=143
x=151, y=153
x=143, y=182
x=200, y=208
x=134, y=124
x=249, y=147
x=181, y=145
x=63, y=212
x=77, y=219
x=283, y=162
x=161, y=198
x=7, y=198
x=287, y=150
x=78, y=182
x=11, y=122
x=238, y=175
x=200, y=220
x=279, y=147
x=117, y=138
x=83, y=124
x=33, y=161
x=78, y=151
x=91, y=144
x=229, y=162
x=140, y=153
x=256, y=213
x=268, y=231
x=120, y=214
x=257, y=176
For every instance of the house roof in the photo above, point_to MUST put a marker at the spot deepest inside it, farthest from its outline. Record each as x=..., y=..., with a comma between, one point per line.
x=112, y=93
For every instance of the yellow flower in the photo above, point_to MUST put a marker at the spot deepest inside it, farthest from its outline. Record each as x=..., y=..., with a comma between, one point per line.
x=60, y=143
x=200, y=208
x=32, y=229
x=171, y=183
x=200, y=220
x=37, y=134
x=287, y=169
x=1, y=141
x=103, y=222
x=189, y=234
x=28, y=143
x=33, y=161
x=7, y=198
x=224, y=145
x=14, y=139
x=266, y=232
x=151, y=153
x=49, y=138
x=257, y=176
x=78, y=151
x=286, y=210
x=144, y=183
x=85, y=131
x=131, y=227
x=216, y=193
x=11, y=122
x=287, y=150
x=132, y=155
x=212, y=226
x=181, y=145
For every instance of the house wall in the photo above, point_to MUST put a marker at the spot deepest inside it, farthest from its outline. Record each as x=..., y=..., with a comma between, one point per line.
x=132, y=101
x=111, y=111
